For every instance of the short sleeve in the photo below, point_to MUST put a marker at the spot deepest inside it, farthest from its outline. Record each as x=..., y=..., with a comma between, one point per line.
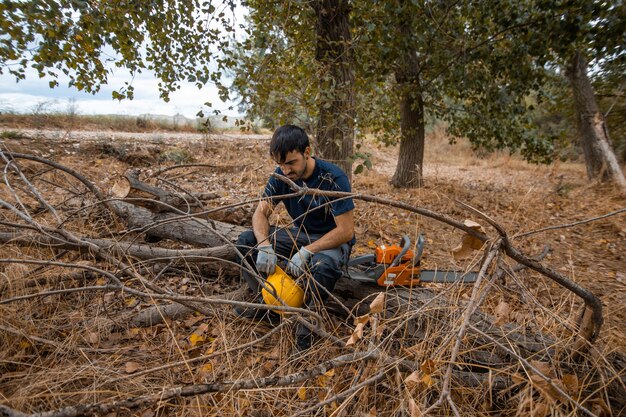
x=344, y=205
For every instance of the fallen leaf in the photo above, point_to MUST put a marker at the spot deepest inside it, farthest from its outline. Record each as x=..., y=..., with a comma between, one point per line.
x=362, y=319
x=544, y=368
x=121, y=188
x=357, y=334
x=540, y=410
x=414, y=409
x=378, y=304
x=548, y=390
x=468, y=242
x=570, y=382
x=131, y=302
x=502, y=313
x=412, y=379
x=302, y=393
x=132, y=367
x=428, y=366
x=195, y=339
x=428, y=380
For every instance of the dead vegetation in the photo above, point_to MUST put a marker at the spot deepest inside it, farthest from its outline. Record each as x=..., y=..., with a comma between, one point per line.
x=111, y=306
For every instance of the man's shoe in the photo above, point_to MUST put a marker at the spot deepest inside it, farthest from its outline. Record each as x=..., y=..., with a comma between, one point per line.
x=304, y=338
x=254, y=313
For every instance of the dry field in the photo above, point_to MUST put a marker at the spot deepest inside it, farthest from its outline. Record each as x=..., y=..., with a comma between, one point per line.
x=76, y=348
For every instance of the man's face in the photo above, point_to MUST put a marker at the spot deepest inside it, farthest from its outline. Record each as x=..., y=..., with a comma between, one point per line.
x=294, y=165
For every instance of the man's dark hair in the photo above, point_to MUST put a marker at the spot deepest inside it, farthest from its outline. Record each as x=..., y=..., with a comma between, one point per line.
x=288, y=138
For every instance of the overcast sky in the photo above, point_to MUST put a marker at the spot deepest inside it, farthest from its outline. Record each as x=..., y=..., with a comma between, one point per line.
x=28, y=93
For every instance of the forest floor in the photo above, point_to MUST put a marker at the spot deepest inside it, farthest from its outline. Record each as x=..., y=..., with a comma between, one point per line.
x=519, y=196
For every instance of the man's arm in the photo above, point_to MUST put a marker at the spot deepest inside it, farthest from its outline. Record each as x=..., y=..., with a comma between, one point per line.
x=339, y=235
x=261, y=222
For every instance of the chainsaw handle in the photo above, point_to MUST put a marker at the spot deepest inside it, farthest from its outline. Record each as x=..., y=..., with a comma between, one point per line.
x=405, y=242
x=420, y=249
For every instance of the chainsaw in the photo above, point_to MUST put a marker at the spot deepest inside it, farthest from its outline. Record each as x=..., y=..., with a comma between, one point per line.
x=398, y=265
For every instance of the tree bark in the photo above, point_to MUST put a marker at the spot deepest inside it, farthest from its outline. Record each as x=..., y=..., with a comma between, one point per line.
x=335, y=129
x=599, y=156
x=172, y=226
x=411, y=158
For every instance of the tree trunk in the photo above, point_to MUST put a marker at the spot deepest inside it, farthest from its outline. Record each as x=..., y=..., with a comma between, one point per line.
x=599, y=156
x=335, y=130
x=411, y=158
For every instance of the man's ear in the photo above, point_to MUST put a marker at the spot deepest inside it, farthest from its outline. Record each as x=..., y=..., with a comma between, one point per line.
x=307, y=152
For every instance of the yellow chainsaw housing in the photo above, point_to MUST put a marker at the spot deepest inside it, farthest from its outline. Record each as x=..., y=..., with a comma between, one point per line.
x=286, y=289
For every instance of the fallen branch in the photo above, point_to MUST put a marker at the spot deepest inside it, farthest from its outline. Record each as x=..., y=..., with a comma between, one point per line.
x=199, y=389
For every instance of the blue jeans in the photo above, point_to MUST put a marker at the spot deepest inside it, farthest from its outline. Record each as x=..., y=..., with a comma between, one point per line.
x=325, y=266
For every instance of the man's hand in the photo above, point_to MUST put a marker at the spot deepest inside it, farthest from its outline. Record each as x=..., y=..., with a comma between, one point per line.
x=266, y=260
x=297, y=263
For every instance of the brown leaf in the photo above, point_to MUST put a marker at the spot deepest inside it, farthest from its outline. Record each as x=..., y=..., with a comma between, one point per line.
x=468, y=242
x=502, y=313
x=378, y=304
x=414, y=409
x=518, y=379
x=132, y=367
x=121, y=188
x=357, y=334
x=413, y=379
x=548, y=390
x=570, y=382
x=544, y=368
x=362, y=319
x=428, y=366
x=540, y=410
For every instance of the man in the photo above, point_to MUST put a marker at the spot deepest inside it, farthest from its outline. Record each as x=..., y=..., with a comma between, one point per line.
x=322, y=234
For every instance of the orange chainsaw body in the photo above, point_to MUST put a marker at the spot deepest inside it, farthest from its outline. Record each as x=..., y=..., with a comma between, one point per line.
x=405, y=273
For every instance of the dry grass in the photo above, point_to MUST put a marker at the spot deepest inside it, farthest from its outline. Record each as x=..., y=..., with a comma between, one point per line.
x=78, y=348
x=93, y=122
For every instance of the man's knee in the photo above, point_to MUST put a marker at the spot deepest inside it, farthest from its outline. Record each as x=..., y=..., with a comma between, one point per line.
x=326, y=272
x=246, y=241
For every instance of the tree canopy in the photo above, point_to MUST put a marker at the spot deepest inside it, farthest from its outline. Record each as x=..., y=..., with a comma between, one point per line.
x=178, y=40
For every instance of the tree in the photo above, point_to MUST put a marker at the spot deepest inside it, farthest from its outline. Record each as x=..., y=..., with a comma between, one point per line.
x=178, y=40
x=296, y=66
x=591, y=30
x=599, y=157
x=452, y=62
x=333, y=52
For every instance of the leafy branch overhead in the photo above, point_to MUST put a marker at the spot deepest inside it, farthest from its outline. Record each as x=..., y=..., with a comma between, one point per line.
x=86, y=41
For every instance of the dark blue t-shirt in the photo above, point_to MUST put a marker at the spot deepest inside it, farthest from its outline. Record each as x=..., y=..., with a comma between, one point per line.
x=326, y=177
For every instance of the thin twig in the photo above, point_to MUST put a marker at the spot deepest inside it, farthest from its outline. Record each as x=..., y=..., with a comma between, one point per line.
x=566, y=225
x=199, y=389
x=467, y=314
x=528, y=365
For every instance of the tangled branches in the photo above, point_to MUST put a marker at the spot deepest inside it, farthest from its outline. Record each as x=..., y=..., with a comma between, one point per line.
x=79, y=267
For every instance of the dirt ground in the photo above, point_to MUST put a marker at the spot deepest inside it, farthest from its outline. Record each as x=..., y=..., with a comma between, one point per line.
x=519, y=196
